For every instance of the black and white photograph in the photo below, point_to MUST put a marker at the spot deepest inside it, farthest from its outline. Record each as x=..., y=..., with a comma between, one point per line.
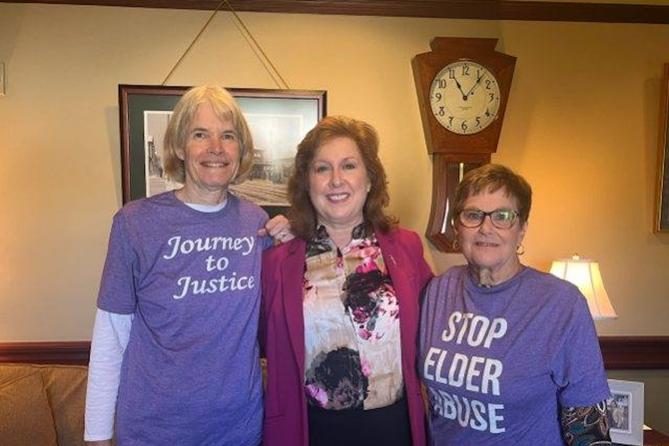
x=619, y=411
x=278, y=120
x=625, y=408
x=275, y=147
x=155, y=124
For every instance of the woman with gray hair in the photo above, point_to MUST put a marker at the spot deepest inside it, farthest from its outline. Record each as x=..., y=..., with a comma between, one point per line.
x=174, y=357
x=509, y=354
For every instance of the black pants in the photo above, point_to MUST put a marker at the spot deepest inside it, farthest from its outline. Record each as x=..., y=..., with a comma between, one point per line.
x=385, y=426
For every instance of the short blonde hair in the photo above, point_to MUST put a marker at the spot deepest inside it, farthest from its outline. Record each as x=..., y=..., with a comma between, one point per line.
x=226, y=109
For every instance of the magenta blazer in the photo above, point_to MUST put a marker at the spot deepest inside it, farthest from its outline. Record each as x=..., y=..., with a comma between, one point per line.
x=282, y=333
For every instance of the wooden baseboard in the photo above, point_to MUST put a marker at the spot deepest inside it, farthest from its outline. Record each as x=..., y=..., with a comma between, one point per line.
x=46, y=352
x=619, y=352
x=635, y=352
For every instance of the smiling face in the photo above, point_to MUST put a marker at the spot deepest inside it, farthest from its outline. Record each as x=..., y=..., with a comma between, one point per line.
x=338, y=183
x=211, y=157
x=488, y=247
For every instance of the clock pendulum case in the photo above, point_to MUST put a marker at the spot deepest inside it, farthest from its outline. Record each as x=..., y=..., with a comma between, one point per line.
x=463, y=86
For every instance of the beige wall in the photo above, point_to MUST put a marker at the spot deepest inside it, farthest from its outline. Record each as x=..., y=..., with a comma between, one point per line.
x=581, y=125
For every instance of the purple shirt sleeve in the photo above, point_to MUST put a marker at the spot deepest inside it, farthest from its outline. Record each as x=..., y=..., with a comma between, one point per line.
x=578, y=367
x=117, y=286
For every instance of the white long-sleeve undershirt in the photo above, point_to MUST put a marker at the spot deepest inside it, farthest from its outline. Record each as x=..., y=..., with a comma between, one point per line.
x=110, y=339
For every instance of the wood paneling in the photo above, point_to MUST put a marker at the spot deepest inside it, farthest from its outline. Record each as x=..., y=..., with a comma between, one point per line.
x=46, y=352
x=452, y=9
x=620, y=352
x=655, y=438
x=635, y=352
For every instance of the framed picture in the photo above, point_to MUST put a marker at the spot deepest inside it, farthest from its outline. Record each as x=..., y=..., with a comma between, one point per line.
x=662, y=206
x=626, y=412
x=278, y=120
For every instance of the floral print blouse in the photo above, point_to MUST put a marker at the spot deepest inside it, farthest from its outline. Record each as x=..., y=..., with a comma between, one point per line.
x=351, y=320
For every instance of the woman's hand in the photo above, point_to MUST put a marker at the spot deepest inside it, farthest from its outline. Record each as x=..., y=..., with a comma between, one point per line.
x=278, y=228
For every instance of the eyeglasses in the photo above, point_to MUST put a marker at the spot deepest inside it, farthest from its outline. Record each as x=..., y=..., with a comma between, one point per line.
x=500, y=218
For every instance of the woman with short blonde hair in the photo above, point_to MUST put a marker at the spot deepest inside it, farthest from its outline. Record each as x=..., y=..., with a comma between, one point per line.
x=176, y=136
x=174, y=357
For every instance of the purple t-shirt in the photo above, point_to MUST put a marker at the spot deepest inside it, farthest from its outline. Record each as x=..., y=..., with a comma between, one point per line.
x=499, y=362
x=190, y=373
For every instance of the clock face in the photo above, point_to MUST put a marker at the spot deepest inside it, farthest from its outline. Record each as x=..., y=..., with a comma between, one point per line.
x=465, y=97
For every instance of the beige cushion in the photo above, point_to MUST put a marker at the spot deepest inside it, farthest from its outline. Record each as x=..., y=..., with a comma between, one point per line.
x=25, y=415
x=66, y=390
x=9, y=372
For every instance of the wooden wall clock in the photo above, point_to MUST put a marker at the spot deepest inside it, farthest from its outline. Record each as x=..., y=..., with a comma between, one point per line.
x=463, y=87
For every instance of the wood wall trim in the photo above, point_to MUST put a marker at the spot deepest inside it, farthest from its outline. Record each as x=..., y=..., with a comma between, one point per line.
x=635, y=352
x=46, y=352
x=452, y=9
x=619, y=352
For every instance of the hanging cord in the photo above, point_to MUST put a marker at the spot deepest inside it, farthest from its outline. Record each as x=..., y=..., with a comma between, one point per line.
x=250, y=40
x=255, y=46
x=211, y=17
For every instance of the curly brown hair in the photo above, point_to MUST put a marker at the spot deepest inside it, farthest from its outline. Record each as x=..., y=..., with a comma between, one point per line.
x=302, y=214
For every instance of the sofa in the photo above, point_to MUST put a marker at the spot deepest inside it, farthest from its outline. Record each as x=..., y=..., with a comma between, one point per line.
x=42, y=405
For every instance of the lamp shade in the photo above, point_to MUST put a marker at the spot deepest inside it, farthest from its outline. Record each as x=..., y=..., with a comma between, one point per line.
x=584, y=273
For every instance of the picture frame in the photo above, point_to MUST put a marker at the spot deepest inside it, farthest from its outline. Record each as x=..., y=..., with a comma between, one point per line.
x=625, y=409
x=662, y=202
x=278, y=120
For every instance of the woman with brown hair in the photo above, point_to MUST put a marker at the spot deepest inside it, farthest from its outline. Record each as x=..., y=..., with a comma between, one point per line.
x=339, y=315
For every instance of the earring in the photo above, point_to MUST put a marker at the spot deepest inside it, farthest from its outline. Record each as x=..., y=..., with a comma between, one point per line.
x=455, y=244
x=520, y=249
x=369, y=187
